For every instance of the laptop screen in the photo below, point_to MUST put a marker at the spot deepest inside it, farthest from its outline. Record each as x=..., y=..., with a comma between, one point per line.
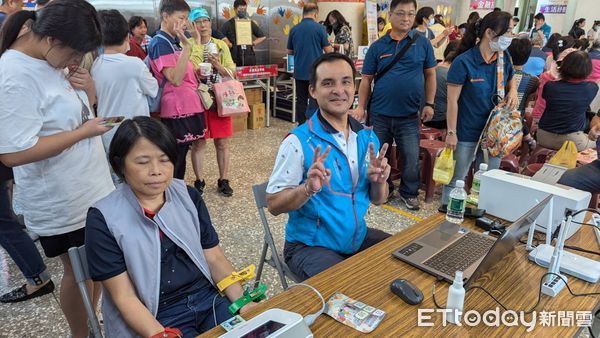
x=506, y=244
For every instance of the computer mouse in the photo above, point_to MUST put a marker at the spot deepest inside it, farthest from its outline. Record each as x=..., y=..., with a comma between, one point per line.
x=407, y=291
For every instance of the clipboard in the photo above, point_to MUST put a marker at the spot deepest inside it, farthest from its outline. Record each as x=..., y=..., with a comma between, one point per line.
x=243, y=32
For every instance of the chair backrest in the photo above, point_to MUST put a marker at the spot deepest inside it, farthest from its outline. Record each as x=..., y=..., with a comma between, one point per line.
x=79, y=263
x=82, y=274
x=260, y=194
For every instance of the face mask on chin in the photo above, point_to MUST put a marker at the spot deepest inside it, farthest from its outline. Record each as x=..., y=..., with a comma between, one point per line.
x=501, y=44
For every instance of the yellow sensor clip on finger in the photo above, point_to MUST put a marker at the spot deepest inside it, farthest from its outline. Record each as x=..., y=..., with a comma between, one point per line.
x=241, y=276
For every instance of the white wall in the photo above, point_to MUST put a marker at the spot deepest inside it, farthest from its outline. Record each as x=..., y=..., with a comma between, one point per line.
x=588, y=9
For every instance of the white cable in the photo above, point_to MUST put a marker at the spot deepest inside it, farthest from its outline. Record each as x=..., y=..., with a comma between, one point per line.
x=310, y=319
x=214, y=311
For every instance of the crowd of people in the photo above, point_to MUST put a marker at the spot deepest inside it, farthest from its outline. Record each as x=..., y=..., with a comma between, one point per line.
x=66, y=69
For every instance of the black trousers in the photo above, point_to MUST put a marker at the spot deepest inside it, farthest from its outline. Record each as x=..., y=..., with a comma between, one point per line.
x=182, y=150
x=305, y=104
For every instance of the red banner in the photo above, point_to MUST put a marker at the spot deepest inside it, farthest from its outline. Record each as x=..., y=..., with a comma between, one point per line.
x=256, y=72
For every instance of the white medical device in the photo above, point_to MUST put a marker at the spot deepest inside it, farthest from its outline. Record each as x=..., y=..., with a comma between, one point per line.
x=272, y=323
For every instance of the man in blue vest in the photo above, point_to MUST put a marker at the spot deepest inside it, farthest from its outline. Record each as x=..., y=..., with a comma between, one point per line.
x=326, y=174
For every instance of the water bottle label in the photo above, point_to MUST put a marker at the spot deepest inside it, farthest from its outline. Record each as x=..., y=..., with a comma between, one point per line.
x=475, y=186
x=456, y=205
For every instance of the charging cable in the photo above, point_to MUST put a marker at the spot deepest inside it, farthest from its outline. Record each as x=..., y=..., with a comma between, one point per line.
x=310, y=319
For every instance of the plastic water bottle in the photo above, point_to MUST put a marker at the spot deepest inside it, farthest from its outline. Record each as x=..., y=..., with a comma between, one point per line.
x=476, y=186
x=456, y=204
x=456, y=299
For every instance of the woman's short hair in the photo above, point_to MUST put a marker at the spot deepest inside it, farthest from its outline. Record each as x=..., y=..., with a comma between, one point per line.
x=136, y=21
x=575, y=66
x=130, y=131
x=519, y=50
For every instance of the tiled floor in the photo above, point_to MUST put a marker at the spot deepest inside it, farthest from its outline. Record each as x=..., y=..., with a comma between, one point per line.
x=236, y=220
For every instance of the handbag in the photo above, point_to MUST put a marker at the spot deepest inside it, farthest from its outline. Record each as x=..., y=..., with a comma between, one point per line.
x=443, y=170
x=206, y=96
x=503, y=131
x=230, y=97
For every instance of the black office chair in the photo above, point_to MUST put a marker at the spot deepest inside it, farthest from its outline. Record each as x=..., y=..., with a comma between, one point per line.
x=275, y=260
x=80, y=270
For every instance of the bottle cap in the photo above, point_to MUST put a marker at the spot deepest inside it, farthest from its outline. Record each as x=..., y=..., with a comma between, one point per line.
x=483, y=166
x=458, y=277
x=460, y=184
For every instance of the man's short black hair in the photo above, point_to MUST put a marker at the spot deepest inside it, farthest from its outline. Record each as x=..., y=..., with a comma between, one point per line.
x=172, y=6
x=115, y=29
x=519, y=50
x=325, y=58
x=575, y=66
x=395, y=3
x=540, y=16
x=238, y=3
x=130, y=131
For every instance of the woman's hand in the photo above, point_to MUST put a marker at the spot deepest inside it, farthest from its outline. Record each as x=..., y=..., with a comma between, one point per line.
x=180, y=32
x=511, y=101
x=194, y=30
x=93, y=128
x=247, y=307
x=81, y=79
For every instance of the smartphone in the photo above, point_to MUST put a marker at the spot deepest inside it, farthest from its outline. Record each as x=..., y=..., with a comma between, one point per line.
x=113, y=121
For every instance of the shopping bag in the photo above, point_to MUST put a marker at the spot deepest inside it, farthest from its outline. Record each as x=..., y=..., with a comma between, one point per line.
x=444, y=167
x=230, y=97
x=566, y=155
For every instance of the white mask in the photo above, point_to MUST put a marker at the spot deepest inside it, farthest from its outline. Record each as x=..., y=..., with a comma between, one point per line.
x=431, y=22
x=501, y=44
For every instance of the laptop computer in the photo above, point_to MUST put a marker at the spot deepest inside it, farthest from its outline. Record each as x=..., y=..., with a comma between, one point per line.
x=450, y=248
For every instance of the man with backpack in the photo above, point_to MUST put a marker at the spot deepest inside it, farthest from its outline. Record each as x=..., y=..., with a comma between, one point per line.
x=400, y=64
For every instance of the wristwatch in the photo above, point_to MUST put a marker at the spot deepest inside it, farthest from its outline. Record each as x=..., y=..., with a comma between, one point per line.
x=430, y=105
x=451, y=132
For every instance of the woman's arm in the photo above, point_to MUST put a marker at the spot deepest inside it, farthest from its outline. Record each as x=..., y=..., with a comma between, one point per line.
x=220, y=268
x=176, y=74
x=135, y=314
x=50, y=146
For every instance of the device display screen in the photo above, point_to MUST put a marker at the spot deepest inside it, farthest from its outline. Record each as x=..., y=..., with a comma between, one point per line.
x=264, y=330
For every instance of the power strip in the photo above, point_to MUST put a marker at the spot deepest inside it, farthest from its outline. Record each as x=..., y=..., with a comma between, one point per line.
x=596, y=221
x=571, y=264
x=554, y=286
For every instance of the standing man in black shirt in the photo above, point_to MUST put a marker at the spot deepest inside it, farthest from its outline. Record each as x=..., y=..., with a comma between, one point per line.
x=242, y=55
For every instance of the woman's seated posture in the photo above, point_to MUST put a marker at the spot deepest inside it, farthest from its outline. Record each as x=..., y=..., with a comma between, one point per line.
x=152, y=244
x=567, y=101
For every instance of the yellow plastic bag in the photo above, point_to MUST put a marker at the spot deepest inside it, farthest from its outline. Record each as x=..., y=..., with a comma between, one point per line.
x=566, y=155
x=444, y=167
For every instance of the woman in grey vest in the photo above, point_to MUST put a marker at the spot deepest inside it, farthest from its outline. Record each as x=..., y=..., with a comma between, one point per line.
x=152, y=244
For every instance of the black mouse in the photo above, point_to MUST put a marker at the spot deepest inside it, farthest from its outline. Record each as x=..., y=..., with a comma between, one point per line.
x=407, y=291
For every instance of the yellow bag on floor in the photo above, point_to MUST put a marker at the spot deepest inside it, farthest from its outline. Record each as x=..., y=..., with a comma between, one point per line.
x=444, y=167
x=566, y=155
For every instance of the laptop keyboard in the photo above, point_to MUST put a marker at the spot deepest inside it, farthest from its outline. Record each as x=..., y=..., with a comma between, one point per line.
x=461, y=254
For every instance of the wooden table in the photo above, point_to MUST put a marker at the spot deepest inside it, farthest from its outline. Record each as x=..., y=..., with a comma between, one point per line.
x=367, y=276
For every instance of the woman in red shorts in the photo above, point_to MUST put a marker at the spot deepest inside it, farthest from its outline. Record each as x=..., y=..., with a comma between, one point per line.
x=206, y=49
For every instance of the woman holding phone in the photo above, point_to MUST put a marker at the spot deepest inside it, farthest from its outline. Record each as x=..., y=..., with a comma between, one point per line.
x=48, y=134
